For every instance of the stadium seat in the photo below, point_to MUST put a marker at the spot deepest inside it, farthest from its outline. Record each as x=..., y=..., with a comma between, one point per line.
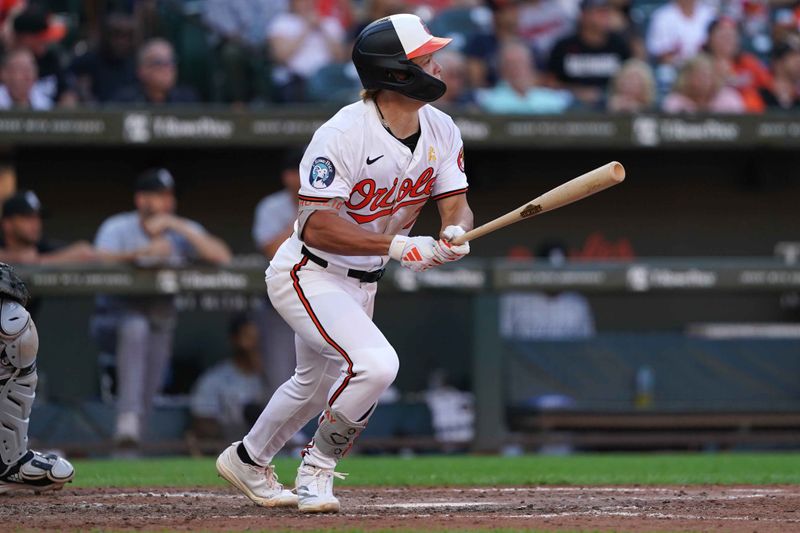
x=641, y=11
x=336, y=83
x=190, y=38
x=460, y=23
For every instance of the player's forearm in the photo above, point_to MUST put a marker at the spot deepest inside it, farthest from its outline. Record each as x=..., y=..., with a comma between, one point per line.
x=208, y=247
x=270, y=248
x=212, y=249
x=455, y=211
x=79, y=252
x=328, y=232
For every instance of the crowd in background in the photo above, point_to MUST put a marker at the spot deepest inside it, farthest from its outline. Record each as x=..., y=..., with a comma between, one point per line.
x=507, y=56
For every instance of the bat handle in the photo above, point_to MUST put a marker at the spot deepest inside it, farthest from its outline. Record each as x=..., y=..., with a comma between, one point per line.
x=461, y=239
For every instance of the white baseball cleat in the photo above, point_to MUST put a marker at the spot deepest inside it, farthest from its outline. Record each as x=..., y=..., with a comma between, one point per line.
x=260, y=484
x=37, y=472
x=314, y=487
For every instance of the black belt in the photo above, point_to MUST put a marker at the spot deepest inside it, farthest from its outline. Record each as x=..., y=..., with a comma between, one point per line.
x=361, y=275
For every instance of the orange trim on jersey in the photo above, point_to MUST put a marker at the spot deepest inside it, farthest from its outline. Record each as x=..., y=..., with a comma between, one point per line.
x=312, y=198
x=318, y=324
x=450, y=193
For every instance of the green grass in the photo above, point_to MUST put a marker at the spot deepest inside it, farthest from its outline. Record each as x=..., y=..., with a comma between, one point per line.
x=582, y=469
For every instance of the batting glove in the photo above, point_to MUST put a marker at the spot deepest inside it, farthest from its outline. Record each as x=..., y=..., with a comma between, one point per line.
x=444, y=251
x=415, y=253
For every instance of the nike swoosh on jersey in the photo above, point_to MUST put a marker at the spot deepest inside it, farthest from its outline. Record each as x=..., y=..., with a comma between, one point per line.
x=370, y=161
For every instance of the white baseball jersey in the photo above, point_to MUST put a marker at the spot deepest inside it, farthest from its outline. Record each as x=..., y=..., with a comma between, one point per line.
x=382, y=184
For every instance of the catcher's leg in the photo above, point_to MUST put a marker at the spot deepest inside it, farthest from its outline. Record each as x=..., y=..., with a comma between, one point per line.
x=22, y=468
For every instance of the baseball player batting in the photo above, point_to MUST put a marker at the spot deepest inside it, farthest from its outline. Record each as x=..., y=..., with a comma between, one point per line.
x=366, y=174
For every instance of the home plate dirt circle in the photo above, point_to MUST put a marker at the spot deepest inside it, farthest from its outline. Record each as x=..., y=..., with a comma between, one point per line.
x=638, y=508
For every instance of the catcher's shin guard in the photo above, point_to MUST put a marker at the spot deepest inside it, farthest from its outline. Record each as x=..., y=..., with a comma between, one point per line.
x=19, y=343
x=16, y=401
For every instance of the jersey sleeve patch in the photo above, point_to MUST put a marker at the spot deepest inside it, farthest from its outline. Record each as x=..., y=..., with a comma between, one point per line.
x=460, y=159
x=322, y=173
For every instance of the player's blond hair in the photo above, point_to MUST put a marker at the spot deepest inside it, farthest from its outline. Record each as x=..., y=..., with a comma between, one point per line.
x=369, y=94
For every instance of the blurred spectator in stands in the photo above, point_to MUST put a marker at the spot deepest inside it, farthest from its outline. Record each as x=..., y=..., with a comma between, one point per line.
x=483, y=49
x=518, y=91
x=459, y=95
x=452, y=412
x=547, y=315
x=301, y=42
x=276, y=213
x=8, y=182
x=22, y=241
x=740, y=70
x=678, y=30
x=585, y=61
x=8, y=10
x=342, y=10
x=157, y=74
x=785, y=91
x=38, y=31
x=143, y=326
x=19, y=89
x=274, y=223
x=226, y=396
x=701, y=89
x=676, y=33
x=541, y=24
x=633, y=89
x=239, y=38
x=376, y=9
x=108, y=67
x=785, y=26
x=754, y=25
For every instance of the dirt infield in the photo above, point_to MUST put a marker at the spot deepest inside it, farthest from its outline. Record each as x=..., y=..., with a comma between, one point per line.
x=638, y=508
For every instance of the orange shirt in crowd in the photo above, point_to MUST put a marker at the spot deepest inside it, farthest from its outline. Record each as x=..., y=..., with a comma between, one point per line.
x=748, y=76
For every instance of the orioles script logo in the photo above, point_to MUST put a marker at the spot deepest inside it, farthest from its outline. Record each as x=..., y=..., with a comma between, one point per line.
x=383, y=202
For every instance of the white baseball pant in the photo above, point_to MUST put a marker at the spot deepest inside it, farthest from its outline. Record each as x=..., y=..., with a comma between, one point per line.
x=343, y=360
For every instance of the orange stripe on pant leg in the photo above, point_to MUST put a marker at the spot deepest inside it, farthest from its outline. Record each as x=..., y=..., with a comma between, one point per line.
x=318, y=324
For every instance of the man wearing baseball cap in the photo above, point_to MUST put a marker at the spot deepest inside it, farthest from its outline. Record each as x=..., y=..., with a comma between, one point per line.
x=21, y=236
x=35, y=29
x=143, y=327
x=585, y=61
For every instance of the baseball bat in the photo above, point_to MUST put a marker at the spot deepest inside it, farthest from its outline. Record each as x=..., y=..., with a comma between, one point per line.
x=575, y=189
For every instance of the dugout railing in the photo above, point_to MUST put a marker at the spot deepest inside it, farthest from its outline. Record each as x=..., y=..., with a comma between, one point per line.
x=499, y=420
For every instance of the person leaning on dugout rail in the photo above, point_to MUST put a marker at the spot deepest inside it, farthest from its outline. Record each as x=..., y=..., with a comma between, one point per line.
x=22, y=238
x=141, y=328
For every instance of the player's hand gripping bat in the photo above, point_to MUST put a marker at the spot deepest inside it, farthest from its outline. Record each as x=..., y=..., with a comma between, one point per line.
x=576, y=189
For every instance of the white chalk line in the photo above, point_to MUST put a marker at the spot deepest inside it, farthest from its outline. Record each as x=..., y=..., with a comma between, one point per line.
x=620, y=511
x=649, y=514
x=718, y=493
x=583, y=489
x=214, y=495
x=433, y=505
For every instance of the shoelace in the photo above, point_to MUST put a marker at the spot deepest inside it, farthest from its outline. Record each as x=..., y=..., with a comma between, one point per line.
x=332, y=473
x=325, y=478
x=272, y=477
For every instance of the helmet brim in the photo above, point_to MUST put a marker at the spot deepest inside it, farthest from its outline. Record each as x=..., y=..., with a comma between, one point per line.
x=432, y=45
